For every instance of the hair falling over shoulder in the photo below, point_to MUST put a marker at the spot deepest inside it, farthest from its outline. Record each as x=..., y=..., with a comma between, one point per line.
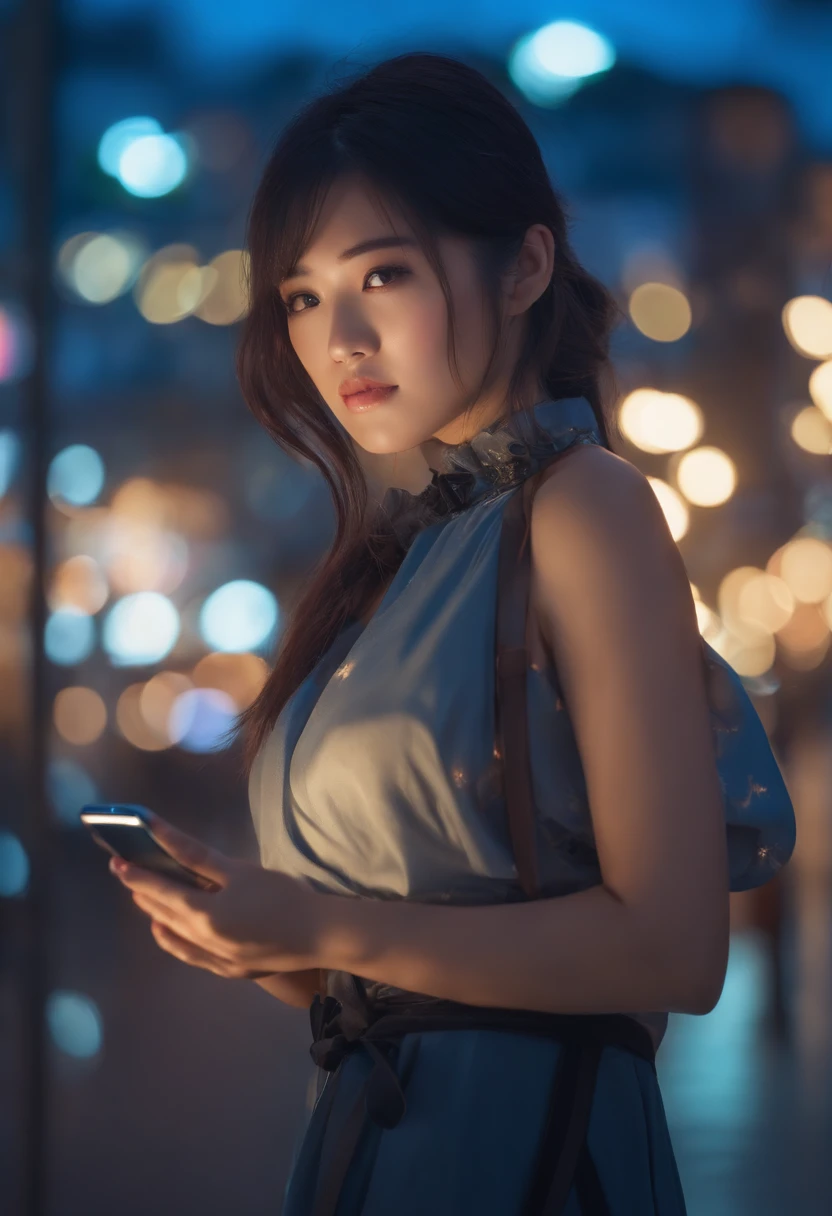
x=435, y=137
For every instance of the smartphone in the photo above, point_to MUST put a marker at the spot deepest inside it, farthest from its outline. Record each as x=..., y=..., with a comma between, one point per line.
x=124, y=830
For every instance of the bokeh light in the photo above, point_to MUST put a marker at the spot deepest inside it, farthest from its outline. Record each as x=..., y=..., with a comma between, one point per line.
x=764, y=602
x=660, y=312
x=146, y=559
x=9, y=458
x=132, y=724
x=98, y=267
x=660, y=422
x=706, y=476
x=69, y=636
x=241, y=675
x=240, y=615
x=76, y=475
x=79, y=715
x=200, y=718
x=78, y=582
x=157, y=698
x=749, y=658
x=152, y=165
x=140, y=629
x=673, y=505
x=171, y=285
x=74, y=1023
x=118, y=138
x=550, y=64
x=224, y=288
x=804, y=641
x=820, y=388
x=812, y=431
x=806, y=568
x=807, y=321
x=14, y=866
x=729, y=597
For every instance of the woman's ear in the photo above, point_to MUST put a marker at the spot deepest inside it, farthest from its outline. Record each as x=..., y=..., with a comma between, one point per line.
x=531, y=271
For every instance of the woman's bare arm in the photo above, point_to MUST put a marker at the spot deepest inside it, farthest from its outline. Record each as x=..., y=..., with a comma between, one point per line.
x=615, y=604
x=296, y=988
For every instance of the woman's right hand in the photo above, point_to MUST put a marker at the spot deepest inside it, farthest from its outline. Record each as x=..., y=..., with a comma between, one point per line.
x=295, y=988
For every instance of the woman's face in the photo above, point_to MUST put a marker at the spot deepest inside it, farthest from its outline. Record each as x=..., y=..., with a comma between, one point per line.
x=381, y=314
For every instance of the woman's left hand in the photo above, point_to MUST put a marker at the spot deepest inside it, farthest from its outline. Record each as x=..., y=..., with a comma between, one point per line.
x=258, y=923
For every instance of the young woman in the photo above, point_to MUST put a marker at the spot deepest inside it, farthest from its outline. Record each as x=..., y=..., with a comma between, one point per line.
x=490, y=880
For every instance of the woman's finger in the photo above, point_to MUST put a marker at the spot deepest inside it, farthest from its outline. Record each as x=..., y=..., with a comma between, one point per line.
x=192, y=852
x=188, y=952
x=178, y=922
x=174, y=895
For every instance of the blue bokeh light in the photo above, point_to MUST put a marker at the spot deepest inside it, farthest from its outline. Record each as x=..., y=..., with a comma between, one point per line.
x=200, y=718
x=240, y=615
x=76, y=475
x=74, y=1023
x=117, y=138
x=14, y=866
x=141, y=628
x=152, y=165
x=567, y=48
x=9, y=456
x=552, y=63
x=69, y=636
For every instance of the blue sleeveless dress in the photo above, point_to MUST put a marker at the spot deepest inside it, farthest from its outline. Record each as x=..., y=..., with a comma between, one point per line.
x=380, y=780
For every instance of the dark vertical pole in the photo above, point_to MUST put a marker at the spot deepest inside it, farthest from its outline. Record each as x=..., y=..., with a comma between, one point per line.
x=35, y=65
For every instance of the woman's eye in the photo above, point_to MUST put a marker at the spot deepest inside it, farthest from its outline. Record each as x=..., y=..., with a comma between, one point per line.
x=395, y=271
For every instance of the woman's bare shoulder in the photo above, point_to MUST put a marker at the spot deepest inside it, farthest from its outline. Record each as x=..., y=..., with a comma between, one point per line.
x=596, y=501
x=599, y=537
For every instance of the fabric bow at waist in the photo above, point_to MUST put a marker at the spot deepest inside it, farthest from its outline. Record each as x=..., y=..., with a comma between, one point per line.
x=358, y=1022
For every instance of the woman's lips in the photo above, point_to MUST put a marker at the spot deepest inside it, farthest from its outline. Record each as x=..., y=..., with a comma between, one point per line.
x=370, y=397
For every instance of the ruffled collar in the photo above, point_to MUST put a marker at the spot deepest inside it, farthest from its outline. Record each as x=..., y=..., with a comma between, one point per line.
x=497, y=459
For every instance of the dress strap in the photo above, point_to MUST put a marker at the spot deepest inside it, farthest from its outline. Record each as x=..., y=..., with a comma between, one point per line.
x=511, y=713
x=512, y=745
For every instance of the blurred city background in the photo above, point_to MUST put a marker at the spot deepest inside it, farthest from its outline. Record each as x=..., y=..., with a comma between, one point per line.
x=152, y=538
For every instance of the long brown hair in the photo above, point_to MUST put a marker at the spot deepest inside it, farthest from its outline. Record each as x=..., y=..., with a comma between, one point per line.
x=438, y=140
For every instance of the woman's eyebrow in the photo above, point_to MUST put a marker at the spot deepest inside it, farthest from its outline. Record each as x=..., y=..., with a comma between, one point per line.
x=377, y=242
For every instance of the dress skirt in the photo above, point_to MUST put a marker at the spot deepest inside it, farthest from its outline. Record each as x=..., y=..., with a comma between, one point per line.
x=473, y=1131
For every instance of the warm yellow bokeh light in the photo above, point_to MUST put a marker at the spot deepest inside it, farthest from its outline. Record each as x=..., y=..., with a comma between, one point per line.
x=660, y=422
x=241, y=675
x=140, y=499
x=748, y=657
x=806, y=566
x=826, y=609
x=165, y=290
x=764, y=602
x=820, y=388
x=729, y=597
x=226, y=299
x=660, y=311
x=157, y=698
x=146, y=559
x=812, y=431
x=709, y=624
x=706, y=476
x=805, y=640
x=79, y=583
x=807, y=321
x=675, y=509
x=79, y=714
x=132, y=724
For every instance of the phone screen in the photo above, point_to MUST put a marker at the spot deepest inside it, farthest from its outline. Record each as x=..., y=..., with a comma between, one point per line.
x=121, y=830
